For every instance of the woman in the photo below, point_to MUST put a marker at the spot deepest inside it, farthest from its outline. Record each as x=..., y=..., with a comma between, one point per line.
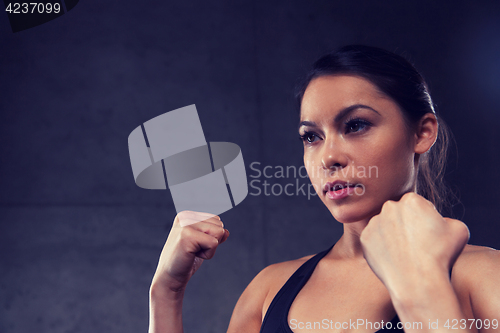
x=369, y=131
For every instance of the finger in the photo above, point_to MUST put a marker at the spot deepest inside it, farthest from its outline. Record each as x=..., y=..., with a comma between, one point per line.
x=460, y=228
x=184, y=222
x=215, y=220
x=225, y=236
x=186, y=218
x=207, y=251
x=189, y=213
x=216, y=231
x=461, y=233
x=202, y=245
x=189, y=221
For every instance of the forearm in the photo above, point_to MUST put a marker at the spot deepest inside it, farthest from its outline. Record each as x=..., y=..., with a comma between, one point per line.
x=432, y=302
x=165, y=310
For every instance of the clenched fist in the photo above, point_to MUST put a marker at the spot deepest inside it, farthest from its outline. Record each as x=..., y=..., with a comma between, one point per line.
x=409, y=241
x=194, y=237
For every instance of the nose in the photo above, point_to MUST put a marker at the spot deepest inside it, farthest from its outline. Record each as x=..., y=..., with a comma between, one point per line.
x=333, y=156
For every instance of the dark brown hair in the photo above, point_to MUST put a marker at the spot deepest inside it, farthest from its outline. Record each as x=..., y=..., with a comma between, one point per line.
x=394, y=76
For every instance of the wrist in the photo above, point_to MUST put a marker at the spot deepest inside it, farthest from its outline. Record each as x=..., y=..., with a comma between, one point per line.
x=165, y=309
x=431, y=300
x=160, y=291
x=414, y=285
x=421, y=296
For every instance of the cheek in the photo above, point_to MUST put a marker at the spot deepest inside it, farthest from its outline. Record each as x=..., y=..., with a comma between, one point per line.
x=394, y=167
x=308, y=161
x=314, y=168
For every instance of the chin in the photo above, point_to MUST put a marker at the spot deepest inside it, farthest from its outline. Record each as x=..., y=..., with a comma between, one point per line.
x=351, y=218
x=353, y=212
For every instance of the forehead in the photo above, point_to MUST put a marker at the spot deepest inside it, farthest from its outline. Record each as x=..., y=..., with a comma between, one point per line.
x=331, y=94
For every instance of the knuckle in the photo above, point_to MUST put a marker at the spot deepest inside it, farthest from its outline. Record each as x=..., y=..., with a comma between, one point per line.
x=464, y=231
x=210, y=254
x=389, y=204
x=459, y=229
x=410, y=197
x=216, y=222
x=222, y=233
x=186, y=232
x=364, y=237
x=184, y=214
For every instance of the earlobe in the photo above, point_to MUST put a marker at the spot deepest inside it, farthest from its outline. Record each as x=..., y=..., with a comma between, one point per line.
x=426, y=134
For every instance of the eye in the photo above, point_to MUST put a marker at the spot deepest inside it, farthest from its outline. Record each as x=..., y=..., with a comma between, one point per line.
x=309, y=137
x=356, y=125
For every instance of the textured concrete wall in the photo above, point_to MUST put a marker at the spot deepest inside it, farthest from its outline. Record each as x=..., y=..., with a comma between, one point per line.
x=79, y=241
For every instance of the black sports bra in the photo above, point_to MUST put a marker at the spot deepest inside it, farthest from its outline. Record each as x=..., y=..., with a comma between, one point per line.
x=276, y=319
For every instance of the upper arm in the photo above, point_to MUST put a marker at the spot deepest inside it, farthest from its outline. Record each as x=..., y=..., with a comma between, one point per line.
x=485, y=295
x=247, y=314
x=483, y=277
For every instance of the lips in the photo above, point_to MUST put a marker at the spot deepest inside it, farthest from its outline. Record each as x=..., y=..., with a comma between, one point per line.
x=340, y=189
x=337, y=185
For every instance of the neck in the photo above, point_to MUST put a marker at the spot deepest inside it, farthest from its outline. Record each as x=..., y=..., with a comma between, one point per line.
x=349, y=245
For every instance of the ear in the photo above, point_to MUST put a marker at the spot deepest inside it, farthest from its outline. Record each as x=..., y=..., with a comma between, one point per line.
x=426, y=134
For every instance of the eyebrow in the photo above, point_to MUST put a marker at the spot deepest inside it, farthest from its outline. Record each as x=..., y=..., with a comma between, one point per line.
x=340, y=115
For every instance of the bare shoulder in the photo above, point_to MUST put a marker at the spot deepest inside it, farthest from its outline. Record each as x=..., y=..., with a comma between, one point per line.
x=278, y=274
x=475, y=275
x=476, y=263
x=475, y=257
x=248, y=312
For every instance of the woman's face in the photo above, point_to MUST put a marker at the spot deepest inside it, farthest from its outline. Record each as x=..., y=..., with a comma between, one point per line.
x=358, y=150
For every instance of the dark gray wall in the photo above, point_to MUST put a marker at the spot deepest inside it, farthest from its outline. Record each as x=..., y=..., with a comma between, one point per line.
x=79, y=241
